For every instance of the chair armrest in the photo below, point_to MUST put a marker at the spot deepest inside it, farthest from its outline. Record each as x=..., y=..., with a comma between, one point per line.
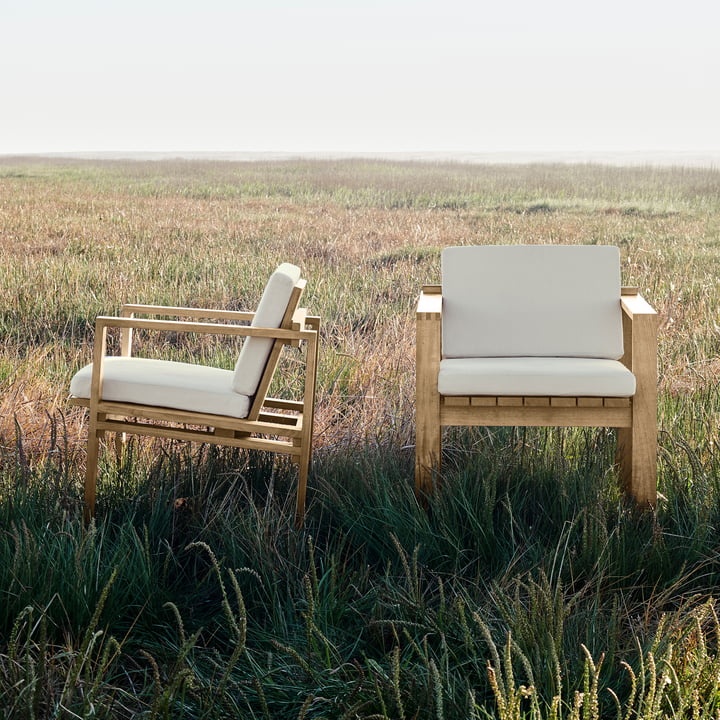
x=633, y=305
x=429, y=305
x=640, y=322
x=103, y=322
x=131, y=309
x=428, y=342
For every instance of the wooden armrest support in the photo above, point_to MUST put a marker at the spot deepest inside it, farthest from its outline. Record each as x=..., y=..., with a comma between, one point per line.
x=298, y=323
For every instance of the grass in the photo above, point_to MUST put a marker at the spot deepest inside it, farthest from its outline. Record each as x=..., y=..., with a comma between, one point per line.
x=528, y=590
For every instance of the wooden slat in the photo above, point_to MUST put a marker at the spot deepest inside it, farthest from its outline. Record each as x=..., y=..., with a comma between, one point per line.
x=82, y=402
x=563, y=402
x=289, y=420
x=456, y=400
x=483, y=401
x=614, y=402
x=280, y=404
x=532, y=401
x=509, y=401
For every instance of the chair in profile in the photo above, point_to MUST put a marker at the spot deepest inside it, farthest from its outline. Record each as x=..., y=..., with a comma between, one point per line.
x=167, y=399
x=539, y=335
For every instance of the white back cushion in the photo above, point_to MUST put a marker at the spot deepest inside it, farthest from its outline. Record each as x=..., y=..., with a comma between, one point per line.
x=532, y=301
x=255, y=351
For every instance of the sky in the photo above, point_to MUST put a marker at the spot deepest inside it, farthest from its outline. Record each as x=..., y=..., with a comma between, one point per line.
x=347, y=76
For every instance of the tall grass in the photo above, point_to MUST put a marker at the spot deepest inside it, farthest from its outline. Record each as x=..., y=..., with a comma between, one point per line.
x=528, y=588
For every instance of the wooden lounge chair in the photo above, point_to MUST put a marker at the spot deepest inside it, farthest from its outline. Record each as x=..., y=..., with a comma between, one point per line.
x=160, y=398
x=539, y=335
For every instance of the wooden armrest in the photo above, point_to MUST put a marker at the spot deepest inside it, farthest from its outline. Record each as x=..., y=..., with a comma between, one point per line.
x=633, y=305
x=429, y=306
x=127, y=324
x=130, y=309
x=103, y=322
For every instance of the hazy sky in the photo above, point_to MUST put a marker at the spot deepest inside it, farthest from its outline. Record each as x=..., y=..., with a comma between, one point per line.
x=359, y=75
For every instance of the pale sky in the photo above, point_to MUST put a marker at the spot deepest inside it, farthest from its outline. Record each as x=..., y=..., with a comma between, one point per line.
x=359, y=75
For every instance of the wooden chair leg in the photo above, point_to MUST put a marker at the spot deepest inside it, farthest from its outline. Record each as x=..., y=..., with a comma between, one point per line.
x=303, y=471
x=91, y=469
x=637, y=458
x=623, y=457
x=428, y=447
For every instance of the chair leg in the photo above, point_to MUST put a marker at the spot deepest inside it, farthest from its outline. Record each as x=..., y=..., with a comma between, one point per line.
x=91, y=469
x=637, y=457
x=303, y=471
x=428, y=447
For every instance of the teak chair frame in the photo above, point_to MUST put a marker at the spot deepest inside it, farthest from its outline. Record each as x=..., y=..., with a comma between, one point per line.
x=272, y=424
x=634, y=417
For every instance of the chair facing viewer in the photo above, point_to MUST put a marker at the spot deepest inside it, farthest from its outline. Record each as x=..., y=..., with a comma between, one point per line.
x=161, y=398
x=539, y=335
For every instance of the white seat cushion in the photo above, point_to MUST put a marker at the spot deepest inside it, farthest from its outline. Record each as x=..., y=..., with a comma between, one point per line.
x=532, y=300
x=162, y=383
x=255, y=351
x=569, y=377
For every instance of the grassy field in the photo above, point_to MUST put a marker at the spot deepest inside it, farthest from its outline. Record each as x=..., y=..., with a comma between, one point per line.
x=529, y=589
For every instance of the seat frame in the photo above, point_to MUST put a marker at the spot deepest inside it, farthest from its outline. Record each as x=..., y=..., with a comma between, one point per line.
x=272, y=424
x=634, y=417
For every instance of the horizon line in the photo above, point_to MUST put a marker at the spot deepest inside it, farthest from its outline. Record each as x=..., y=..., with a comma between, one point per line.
x=695, y=158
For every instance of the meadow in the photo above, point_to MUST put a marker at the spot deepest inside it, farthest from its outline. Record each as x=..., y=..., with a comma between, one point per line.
x=530, y=588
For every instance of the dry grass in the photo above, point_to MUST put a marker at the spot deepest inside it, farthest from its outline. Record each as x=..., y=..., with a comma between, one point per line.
x=80, y=238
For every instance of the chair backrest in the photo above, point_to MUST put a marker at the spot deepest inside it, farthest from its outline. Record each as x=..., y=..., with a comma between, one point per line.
x=271, y=312
x=532, y=300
